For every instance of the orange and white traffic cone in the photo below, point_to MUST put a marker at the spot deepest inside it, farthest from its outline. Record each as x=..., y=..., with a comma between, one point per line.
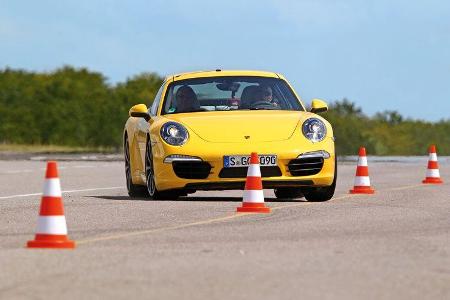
x=253, y=200
x=433, y=167
x=51, y=229
x=362, y=180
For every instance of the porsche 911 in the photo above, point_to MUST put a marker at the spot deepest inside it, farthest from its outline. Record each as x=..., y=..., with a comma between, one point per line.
x=201, y=128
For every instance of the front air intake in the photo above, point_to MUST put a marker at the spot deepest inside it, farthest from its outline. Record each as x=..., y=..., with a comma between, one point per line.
x=191, y=169
x=305, y=166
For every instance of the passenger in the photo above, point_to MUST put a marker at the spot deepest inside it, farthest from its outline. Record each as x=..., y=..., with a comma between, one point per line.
x=186, y=100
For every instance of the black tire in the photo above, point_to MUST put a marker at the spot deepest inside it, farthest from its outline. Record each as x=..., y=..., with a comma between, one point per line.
x=288, y=193
x=134, y=190
x=322, y=194
x=150, y=178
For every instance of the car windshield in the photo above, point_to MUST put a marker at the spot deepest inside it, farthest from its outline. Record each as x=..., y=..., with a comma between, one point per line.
x=228, y=94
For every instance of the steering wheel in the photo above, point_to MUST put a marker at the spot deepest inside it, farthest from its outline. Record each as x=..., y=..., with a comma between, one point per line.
x=261, y=103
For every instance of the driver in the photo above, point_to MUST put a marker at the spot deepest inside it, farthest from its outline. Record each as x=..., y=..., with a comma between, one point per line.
x=267, y=95
x=186, y=99
x=263, y=96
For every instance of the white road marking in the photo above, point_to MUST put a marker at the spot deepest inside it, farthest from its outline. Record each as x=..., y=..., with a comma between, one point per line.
x=59, y=168
x=64, y=192
x=84, y=166
x=17, y=172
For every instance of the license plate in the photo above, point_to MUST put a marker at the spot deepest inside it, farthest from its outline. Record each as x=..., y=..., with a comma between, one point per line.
x=234, y=161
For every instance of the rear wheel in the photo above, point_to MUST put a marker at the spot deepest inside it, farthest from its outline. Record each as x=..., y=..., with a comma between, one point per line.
x=288, y=193
x=322, y=193
x=150, y=178
x=134, y=190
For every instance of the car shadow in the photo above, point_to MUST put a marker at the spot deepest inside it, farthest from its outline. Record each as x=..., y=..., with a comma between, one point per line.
x=118, y=198
x=192, y=199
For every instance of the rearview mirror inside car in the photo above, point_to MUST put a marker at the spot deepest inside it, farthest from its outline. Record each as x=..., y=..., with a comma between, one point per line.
x=140, y=111
x=318, y=106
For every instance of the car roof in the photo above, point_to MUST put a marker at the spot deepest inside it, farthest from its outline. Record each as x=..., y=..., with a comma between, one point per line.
x=218, y=72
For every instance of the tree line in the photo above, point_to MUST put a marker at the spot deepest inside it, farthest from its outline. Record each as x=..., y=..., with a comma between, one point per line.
x=386, y=133
x=72, y=107
x=77, y=107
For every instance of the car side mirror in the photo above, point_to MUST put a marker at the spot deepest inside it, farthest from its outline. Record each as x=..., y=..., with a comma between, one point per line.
x=140, y=111
x=318, y=106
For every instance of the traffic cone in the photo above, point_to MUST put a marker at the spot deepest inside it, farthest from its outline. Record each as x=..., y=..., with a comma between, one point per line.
x=253, y=200
x=362, y=180
x=433, y=167
x=51, y=229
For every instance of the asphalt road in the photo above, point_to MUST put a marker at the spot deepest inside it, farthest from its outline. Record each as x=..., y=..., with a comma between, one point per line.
x=391, y=245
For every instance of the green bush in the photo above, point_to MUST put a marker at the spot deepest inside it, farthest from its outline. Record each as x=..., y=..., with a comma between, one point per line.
x=73, y=107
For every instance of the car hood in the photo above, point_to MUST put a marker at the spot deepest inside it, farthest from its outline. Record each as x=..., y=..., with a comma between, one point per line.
x=238, y=126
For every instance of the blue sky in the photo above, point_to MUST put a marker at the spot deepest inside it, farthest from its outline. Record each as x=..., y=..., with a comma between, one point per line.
x=383, y=55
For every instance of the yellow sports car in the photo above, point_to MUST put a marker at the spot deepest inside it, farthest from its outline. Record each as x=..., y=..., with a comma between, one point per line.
x=202, y=126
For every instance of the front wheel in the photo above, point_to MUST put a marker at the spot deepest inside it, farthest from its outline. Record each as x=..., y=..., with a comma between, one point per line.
x=322, y=194
x=150, y=178
x=134, y=190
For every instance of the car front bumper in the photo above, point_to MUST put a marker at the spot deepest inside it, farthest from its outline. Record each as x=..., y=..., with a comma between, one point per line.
x=213, y=154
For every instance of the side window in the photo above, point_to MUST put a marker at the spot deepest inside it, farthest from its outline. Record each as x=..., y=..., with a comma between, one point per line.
x=154, y=108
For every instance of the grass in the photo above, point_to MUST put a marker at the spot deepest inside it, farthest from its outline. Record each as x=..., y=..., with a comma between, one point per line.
x=54, y=149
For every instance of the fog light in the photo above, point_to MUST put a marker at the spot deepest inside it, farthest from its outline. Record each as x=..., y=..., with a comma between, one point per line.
x=321, y=153
x=179, y=157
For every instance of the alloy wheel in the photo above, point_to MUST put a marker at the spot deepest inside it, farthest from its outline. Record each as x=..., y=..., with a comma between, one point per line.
x=127, y=165
x=151, y=186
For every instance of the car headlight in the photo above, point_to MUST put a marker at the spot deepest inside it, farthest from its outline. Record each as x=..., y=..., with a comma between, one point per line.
x=314, y=130
x=174, y=134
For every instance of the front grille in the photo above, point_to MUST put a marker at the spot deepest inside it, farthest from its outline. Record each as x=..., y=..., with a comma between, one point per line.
x=305, y=166
x=241, y=172
x=191, y=169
